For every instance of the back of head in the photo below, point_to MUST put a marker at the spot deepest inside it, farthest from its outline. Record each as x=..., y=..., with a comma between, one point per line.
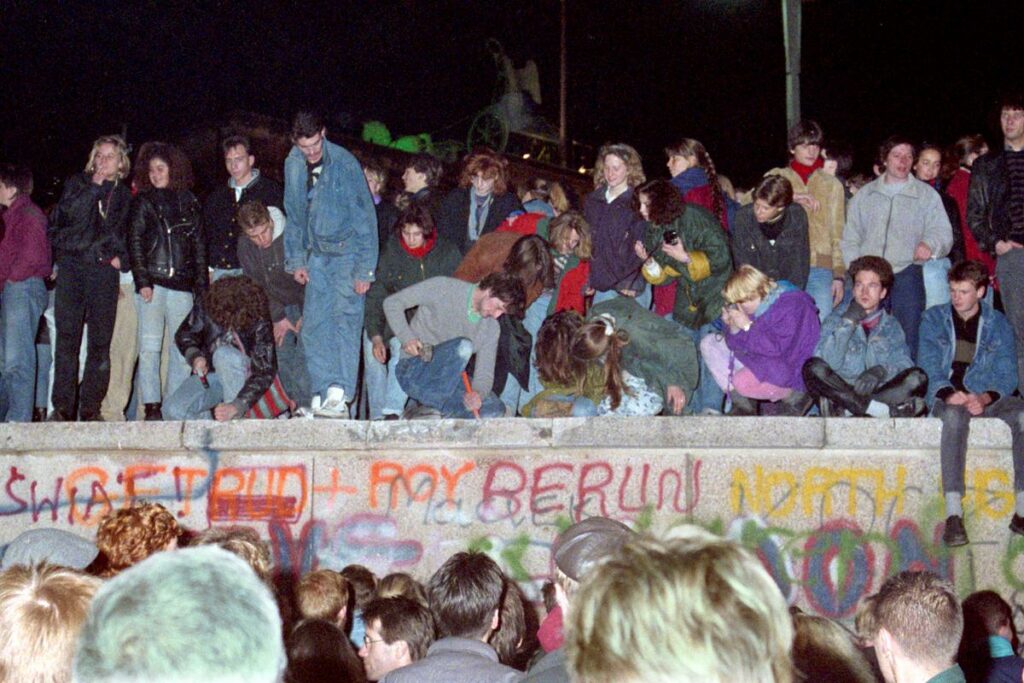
x=986, y=616
x=400, y=583
x=530, y=261
x=921, y=613
x=198, y=614
x=599, y=341
x=825, y=651
x=511, y=631
x=464, y=594
x=319, y=651
x=322, y=594
x=555, y=362
x=242, y=541
x=42, y=609
x=130, y=535
x=362, y=581
x=402, y=619
x=686, y=606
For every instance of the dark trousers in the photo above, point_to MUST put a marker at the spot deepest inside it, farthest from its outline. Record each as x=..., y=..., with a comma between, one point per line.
x=956, y=426
x=907, y=303
x=824, y=382
x=86, y=294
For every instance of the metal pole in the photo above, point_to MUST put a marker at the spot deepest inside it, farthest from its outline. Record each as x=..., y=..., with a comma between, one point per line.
x=791, y=19
x=563, y=136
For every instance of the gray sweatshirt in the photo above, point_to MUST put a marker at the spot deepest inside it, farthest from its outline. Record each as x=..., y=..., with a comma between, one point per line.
x=442, y=314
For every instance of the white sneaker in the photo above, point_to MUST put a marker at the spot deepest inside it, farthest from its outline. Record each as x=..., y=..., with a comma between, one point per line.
x=333, y=405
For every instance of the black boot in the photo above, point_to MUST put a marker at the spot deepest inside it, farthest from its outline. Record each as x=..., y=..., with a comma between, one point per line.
x=795, y=405
x=153, y=413
x=743, y=406
x=39, y=414
x=824, y=382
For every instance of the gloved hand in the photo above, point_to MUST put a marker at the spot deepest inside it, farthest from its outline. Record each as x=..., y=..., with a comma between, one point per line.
x=869, y=380
x=855, y=312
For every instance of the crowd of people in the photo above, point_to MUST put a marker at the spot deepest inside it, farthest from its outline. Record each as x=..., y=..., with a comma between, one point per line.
x=811, y=293
x=149, y=601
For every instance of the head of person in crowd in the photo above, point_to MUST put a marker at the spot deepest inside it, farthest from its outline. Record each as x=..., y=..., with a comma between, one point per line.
x=928, y=165
x=686, y=154
x=729, y=620
x=15, y=181
x=161, y=165
x=727, y=187
x=508, y=639
x=42, y=609
x=556, y=364
x=108, y=158
x=989, y=634
x=173, y=619
x=416, y=229
x=896, y=158
x=501, y=293
x=968, y=281
x=485, y=171
x=236, y=303
x=465, y=596
x=864, y=621
x=422, y=172
x=404, y=585
x=53, y=546
x=825, y=651
x=242, y=541
x=657, y=202
x=618, y=167
x=398, y=633
x=324, y=594
x=771, y=197
x=746, y=288
x=130, y=535
x=872, y=279
x=599, y=341
x=256, y=222
x=804, y=140
x=1011, y=118
x=857, y=181
x=319, y=651
x=376, y=178
x=544, y=196
x=579, y=549
x=838, y=158
x=308, y=134
x=919, y=624
x=967, y=148
x=362, y=582
x=547, y=593
x=238, y=159
x=530, y=261
x=569, y=233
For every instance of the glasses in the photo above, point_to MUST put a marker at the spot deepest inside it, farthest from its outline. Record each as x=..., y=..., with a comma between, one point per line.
x=367, y=641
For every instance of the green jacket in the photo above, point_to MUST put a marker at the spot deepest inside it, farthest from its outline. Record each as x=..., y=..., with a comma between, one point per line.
x=398, y=270
x=699, y=296
x=658, y=351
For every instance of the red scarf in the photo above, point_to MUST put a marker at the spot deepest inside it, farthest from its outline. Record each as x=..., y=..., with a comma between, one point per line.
x=805, y=171
x=419, y=252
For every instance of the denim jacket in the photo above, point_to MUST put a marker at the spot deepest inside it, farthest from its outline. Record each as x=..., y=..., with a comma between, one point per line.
x=849, y=351
x=335, y=218
x=995, y=358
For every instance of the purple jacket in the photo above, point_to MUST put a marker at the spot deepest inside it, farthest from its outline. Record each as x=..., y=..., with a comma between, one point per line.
x=783, y=335
x=614, y=229
x=25, y=249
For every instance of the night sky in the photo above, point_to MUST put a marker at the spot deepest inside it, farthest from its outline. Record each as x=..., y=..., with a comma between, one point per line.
x=643, y=72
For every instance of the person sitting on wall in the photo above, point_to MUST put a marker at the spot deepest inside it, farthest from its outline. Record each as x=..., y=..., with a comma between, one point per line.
x=862, y=363
x=967, y=349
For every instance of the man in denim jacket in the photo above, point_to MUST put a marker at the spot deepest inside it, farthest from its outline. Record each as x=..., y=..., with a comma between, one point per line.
x=330, y=244
x=967, y=349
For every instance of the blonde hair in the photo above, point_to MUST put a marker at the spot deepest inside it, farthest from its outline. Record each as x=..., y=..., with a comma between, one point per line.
x=746, y=284
x=824, y=650
x=243, y=542
x=634, y=165
x=42, y=609
x=130, y=535
x=400, y=584
x=560, y=228
x=322, y=594
x=124, y=164
x=600, y=339
x=685, y=606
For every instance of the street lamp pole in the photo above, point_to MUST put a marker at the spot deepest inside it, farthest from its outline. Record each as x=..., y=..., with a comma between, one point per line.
x=791, y=19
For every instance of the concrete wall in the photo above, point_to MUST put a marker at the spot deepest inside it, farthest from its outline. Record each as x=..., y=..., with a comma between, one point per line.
x=831, y=507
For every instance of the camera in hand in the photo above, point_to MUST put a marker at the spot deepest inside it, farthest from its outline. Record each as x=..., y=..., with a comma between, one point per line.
x=670, y=237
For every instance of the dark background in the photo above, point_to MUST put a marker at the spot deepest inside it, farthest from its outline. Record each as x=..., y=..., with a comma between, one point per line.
x=642, y=72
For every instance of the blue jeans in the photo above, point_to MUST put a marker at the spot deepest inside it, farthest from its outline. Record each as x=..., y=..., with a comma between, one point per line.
x=644, y=298
x=438, y=384
x=708, y=394
x=193, y=401
x=383, y=393
x=819, y=286
x=907, y=303
x=515, y=396
x=936, y=286
x=166, y=309
x=21, y=305
x=291, y=361
x=332, y=324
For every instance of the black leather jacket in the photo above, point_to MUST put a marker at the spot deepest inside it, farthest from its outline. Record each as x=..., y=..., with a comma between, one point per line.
x=199, y=335
x=88, y=223
x=988, y=202
x=166, y=241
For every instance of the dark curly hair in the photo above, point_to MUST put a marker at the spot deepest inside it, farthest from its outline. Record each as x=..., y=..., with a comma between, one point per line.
x=665, y=203
x=178, y=164
x=236, y=303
